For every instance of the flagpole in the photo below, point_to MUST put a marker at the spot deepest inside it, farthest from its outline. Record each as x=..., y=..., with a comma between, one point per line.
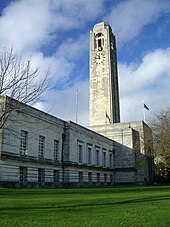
x=144, y=107
x=76, y=106
x=144, y=116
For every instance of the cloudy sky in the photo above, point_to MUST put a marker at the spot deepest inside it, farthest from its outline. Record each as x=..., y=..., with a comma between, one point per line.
x=56, y=34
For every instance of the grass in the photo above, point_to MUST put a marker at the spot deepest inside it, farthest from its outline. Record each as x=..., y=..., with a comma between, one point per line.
x=109, y=206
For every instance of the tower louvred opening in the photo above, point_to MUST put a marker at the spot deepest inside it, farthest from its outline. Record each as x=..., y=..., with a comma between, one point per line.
x=99, y=41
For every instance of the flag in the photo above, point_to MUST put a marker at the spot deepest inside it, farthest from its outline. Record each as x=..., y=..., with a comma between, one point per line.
x=145, y=106
x=107, y=116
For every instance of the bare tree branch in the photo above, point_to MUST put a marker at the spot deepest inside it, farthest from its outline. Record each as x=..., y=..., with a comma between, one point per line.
x=161, y=132
x=20, y=82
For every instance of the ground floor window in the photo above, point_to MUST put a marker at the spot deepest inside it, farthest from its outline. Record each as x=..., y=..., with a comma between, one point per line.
x=23, y=175
x=56, y=176
x=90, y=178
x=80, y=178
x=98, y=178
x=105, y=178
x=41, y=177
x=111, y=178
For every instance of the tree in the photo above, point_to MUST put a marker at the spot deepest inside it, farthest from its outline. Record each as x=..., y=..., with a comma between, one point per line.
x=161, y=133
x=19, y=82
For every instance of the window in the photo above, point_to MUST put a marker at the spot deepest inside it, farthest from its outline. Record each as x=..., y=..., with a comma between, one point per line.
x=23, y=142
x=104, y=159
x=56, y=176
x=113, y=157
x=23, y=175
x=41, y=147
x=99, y=41
x=80, y=153
x=56, y=149
x=90, y=178
x=99, y=35
x=80, y=178
x=41, y=177
x=89, y=157
x=105, y=178
x=110, y=160
x=98, y=178
x=111, y=178
x=97, y=158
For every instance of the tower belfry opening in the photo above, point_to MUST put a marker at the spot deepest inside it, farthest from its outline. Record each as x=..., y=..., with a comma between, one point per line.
x=99, y=41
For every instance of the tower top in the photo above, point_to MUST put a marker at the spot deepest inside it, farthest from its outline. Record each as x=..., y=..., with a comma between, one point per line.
x=101, y=25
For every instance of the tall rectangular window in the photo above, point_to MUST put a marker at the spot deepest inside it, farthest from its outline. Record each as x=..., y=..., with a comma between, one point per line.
x=98, y=178
x=113, y=159
x=111, y=178
x=41, y=177
x=80, y=153
x=113, y=151
x=89, y=155
x=104, y=159
x=23, y=142
x=23, y=175
x=56, y=149
x=97, y=158
x=90, y=178
x=56, y=176
x=105, y=178
x=41, y=150
x=80, y=178
x=110, y=161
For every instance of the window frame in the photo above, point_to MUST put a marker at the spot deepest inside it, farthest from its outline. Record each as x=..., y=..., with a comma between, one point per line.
x=110, y=160
x=56, y=150
x=56, y=176
x=80, y=153
x=23, y=175
x=41, y=147
x=97, y=156
x=41, y=176
x=24, y=142
x=89, y=155
x=104, y=158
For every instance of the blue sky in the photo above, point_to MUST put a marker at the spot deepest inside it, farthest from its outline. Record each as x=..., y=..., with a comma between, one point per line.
x=55, y=33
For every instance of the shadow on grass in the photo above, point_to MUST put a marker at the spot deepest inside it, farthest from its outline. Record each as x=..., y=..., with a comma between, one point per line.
x=97, y=190
x=74, y=207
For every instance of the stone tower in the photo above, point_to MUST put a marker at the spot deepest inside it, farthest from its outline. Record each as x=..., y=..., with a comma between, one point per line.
x=104, y=91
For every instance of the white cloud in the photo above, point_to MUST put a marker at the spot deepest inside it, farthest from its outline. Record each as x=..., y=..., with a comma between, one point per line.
x=74, y=48
x=149, y=81
x=59, y=68
x=153, y=67
x=29, y=24
x=128, y=17
x=62, y=103
x=73, y=13
x=25, y=24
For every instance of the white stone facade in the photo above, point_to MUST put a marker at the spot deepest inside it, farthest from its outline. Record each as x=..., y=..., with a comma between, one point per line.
x=29, y=167
x=84, y=157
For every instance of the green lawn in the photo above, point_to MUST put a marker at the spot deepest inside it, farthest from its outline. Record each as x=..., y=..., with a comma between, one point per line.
x=109, y=206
